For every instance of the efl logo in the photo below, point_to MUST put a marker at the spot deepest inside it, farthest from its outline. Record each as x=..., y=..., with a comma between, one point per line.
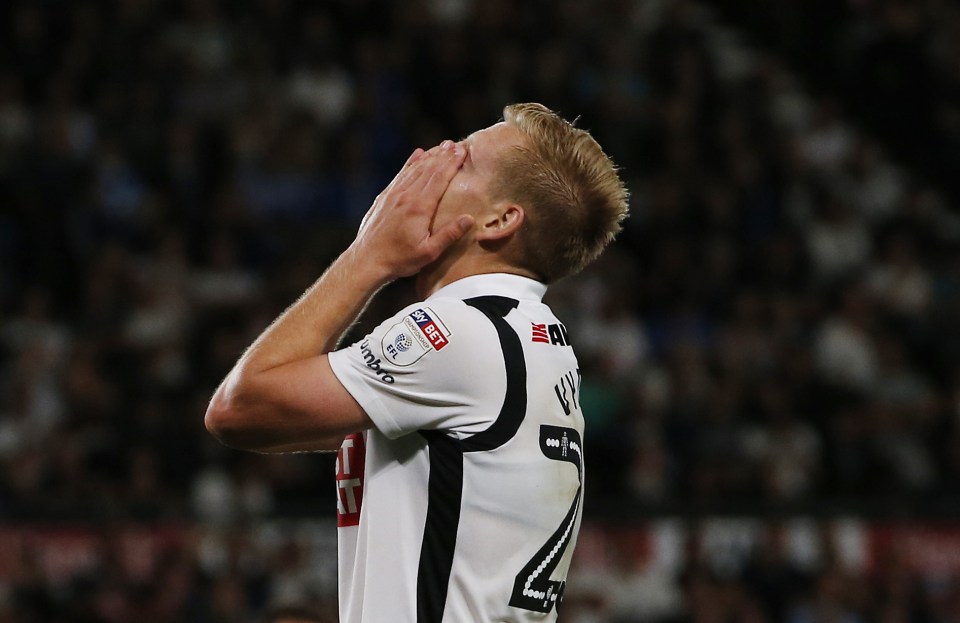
x=434, y=330
x=350, y=468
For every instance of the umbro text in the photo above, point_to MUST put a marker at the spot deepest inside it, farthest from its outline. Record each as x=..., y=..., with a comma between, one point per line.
x=373, y=362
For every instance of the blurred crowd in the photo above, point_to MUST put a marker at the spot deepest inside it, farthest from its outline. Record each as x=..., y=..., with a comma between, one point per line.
x=775, y=327
x=778, y=577
x=894, y=63
x=120, y=572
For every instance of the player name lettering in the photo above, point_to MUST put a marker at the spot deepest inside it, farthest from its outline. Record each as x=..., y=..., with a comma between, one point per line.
x=568, y=390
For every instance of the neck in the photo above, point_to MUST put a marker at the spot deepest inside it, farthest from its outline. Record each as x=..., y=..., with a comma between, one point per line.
x=435, y=276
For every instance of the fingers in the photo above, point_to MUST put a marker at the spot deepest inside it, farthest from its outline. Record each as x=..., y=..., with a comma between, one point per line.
x=410, y=168
x=423, y=164
x=420, y=175
x=444, y=168
x=406, y=169
x=450, y=233
x=427, y=174
x=413, y=157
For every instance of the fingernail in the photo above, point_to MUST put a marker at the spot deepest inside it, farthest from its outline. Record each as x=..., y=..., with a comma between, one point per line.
x=446, y=145
x=458, y=149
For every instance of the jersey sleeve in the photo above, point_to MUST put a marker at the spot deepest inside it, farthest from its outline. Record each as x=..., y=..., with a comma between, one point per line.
x=433, y=366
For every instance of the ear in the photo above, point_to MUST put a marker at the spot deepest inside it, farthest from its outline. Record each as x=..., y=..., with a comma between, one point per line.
x=501, y=222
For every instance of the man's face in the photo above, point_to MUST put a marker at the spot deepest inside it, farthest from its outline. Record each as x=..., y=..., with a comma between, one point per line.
x=469, y=191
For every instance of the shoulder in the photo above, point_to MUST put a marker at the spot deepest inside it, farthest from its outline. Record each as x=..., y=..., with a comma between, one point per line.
x=438, y=329
x=430, y=366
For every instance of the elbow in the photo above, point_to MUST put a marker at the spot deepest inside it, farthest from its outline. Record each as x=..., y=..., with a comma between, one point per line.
x=217, y=418
x=228, y=419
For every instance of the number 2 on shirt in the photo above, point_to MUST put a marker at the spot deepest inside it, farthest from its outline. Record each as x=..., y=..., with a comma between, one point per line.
x=533, y=589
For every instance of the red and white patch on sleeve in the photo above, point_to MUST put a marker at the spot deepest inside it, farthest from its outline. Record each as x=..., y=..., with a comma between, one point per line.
x=351, y=460
x=431, y=327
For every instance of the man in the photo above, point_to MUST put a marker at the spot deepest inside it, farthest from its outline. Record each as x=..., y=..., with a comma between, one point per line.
x=460, y=473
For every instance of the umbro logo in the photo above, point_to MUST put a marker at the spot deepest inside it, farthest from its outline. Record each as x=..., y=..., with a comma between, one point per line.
x=373, y=362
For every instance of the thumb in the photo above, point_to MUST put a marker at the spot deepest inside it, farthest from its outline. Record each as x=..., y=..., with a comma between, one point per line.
x=452, y=232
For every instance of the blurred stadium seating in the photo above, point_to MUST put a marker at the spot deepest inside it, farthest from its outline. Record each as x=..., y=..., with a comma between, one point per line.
x=770, y=352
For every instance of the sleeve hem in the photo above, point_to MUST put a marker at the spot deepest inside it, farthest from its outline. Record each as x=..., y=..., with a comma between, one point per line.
x=369, y=401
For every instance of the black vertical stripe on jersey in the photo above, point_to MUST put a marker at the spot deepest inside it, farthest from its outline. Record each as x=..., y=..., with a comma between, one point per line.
x=493, y=306
x=515, y=399
x=445, y=486
x=445, y=490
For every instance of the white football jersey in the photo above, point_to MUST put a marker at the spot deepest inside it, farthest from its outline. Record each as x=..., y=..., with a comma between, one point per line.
x=463, y=503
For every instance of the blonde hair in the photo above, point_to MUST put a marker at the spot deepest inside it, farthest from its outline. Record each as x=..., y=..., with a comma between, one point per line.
x=574, y=201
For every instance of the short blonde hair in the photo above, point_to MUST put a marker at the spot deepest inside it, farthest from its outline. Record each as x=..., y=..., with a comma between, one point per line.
x=574, y=201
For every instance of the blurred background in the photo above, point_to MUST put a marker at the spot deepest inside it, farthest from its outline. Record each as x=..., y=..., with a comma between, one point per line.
x=770, y=351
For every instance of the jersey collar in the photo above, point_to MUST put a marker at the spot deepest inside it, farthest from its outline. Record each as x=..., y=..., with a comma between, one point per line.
x=501, y=284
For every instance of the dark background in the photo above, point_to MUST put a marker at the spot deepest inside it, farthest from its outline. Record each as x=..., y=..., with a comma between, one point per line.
x=773, y=337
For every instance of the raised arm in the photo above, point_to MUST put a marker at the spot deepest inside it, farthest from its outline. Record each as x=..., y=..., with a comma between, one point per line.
x=282, y=396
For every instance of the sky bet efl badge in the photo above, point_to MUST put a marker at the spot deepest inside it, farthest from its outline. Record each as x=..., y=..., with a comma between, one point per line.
x=409, y=340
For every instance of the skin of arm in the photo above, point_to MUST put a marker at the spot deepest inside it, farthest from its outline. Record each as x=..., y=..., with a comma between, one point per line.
x=281, y=395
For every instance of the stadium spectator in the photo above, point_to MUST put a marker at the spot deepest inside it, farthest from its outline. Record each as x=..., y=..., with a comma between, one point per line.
x=776, y=328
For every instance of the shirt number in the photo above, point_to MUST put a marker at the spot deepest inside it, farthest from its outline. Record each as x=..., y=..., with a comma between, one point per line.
x=533, y=589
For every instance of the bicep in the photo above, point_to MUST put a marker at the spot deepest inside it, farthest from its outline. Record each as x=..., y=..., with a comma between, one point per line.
x=298, y=406
x=311, y=394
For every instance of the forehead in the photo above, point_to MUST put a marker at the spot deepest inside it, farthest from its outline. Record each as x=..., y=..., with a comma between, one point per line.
x=489, y=142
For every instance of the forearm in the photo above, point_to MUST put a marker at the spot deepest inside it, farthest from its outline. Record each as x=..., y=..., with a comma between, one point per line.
x=282, y=394
x=313, y=325
x=254, y=407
